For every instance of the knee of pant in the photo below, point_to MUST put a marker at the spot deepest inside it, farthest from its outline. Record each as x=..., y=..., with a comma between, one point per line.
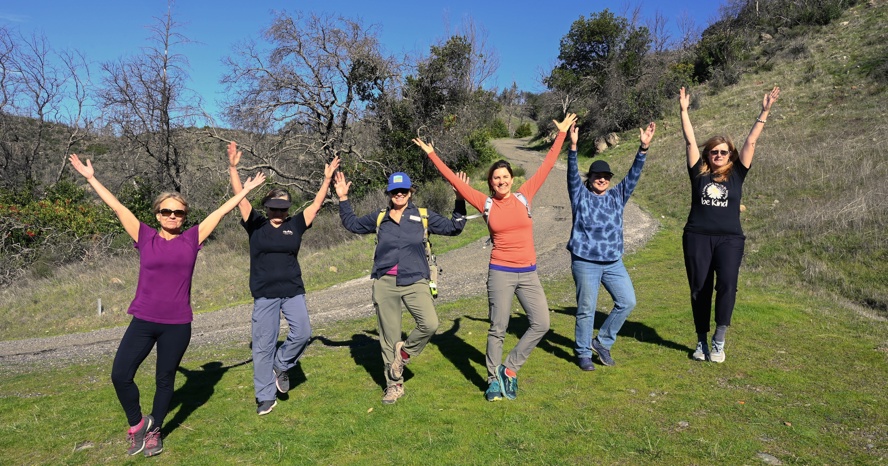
x=625, y=305
x=301, y=333
x=430, y=326
x=118, y=379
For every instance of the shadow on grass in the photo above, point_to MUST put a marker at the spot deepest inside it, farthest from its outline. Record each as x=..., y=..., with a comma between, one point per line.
x=461, y=354
x=198, y=388
x=365, y=352
x=630, y=329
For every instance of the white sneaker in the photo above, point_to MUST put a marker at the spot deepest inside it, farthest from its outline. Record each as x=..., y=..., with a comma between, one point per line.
x=718, y=352
x=701, y=352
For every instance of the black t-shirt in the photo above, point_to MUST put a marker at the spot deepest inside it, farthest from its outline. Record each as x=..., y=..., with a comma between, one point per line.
x=274, y=265
x=715, y=206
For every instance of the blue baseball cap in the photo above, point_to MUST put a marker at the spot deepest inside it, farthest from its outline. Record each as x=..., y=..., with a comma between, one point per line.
x=398, y=180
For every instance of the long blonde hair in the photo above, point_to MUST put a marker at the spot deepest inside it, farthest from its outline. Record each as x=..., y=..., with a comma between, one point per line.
x=722, y=173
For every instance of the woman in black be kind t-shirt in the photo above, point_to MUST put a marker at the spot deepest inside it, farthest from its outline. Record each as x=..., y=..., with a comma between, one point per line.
x=713, y=239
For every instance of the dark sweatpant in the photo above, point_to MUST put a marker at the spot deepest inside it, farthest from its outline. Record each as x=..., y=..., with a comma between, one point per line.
x=709, y=257
x=172, y=341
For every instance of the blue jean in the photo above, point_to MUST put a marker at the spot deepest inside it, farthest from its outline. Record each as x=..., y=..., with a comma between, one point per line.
x=588, y=276
x=266, y=328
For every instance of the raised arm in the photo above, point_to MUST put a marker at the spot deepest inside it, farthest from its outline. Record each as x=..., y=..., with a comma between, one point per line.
x=748, y=150
x=691, y=149
x=470, y=194
x=574, y=180
x=627, y=184
x=127, y=219
x=535, y=182
x=234, y=156
x=209, y=224
x=311, y=211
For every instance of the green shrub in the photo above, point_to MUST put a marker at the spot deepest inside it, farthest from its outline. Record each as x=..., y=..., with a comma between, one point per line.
x=498, y=129
x=523, y=130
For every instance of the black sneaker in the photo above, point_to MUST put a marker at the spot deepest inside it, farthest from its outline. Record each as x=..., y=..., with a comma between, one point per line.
x=604, y=354
x=265, y=407
x=153, y=443
x=281, y=380
x=137, y=439
x=586, y=364
x=508, y=385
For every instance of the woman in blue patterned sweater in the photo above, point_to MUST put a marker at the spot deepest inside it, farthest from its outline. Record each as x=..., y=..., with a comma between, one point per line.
x=596, y=247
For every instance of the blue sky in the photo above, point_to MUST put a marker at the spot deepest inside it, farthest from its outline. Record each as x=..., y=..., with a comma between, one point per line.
x=525, y=34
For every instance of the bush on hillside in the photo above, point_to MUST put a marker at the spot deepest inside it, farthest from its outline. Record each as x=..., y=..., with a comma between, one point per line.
x=523, y=130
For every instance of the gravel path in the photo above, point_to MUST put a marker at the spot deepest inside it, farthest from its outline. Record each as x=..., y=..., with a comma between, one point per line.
x=465, y=274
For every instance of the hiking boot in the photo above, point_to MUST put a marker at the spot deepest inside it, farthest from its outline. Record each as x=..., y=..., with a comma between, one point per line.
x=281, y=380
x=586, y=364
x=392, y=393
x=718, y=351
x=604, y=354
x=493, y=393
x=265, y=407
x=153, y=443
x=508, y=385
x=397, y=368
x=702, y=351
x=137, y=439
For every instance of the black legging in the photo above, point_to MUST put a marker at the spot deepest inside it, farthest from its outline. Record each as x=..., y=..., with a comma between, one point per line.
x=707, y=257
x=172, y=341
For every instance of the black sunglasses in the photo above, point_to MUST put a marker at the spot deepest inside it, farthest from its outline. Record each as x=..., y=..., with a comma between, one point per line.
x=275, y=209
x=167, y=212
x=400, y=191
x=719, y=152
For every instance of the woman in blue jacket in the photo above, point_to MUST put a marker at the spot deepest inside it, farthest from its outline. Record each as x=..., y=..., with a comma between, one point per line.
x=596, y=248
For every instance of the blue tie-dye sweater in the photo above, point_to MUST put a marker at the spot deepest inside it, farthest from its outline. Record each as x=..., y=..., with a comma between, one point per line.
x=597, y=233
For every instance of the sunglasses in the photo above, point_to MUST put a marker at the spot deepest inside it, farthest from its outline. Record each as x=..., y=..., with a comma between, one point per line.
x=719, y=152
x=399, y=192
x=276, y=210
x=606, y=176
x=167, y=212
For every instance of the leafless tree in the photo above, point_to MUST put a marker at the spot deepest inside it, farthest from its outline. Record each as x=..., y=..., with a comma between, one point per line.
x=301, y=100
x=146, y=100
x=43, y=94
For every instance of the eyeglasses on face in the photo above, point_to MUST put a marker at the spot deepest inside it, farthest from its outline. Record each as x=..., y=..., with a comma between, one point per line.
x=399, y=192
x=168, y=212
x=719, y=152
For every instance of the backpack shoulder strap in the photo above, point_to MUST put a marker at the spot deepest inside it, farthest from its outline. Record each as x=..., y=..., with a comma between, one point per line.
x=424, y=215
x=489, y=203
x=379, y=219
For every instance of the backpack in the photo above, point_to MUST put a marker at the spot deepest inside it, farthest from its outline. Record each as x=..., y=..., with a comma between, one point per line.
x=489, y=203
x=433, y=261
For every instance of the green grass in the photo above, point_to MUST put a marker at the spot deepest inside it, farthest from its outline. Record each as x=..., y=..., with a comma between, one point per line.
x=803, y=382
x=807, y=352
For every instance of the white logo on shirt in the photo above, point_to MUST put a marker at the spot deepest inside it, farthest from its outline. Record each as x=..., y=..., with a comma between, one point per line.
x=288, y=232
x=715, y=194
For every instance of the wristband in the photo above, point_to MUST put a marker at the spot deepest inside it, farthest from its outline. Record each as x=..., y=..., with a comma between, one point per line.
x=761, y=121
x=641, y=148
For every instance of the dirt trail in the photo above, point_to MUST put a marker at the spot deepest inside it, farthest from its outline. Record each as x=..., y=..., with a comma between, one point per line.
x=465, y=273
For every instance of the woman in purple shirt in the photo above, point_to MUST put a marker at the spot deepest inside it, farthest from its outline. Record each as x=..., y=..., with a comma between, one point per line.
x=162, y=307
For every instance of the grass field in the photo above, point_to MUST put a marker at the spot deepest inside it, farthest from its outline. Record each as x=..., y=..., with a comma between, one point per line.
x=807, y=353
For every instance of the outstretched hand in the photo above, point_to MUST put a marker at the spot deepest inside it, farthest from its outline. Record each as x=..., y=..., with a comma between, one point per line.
x=574, y=134
x=684, y=99
x=330, y=168
x=647, y=134
x=465, y=179
x=770, y=98
x=427, y=148
x=86, y=170
x=254, y=181
x=234, y=154
x=566, y=123
x=341, y=185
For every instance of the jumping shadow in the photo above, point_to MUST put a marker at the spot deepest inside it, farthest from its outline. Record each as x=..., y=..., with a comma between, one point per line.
x=196, y=391
x=461, y=354
x=631, y=329
x=364, y=351
x=552, y=343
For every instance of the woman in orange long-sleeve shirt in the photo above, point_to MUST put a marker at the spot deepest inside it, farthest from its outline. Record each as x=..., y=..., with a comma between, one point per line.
x=512, y=270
